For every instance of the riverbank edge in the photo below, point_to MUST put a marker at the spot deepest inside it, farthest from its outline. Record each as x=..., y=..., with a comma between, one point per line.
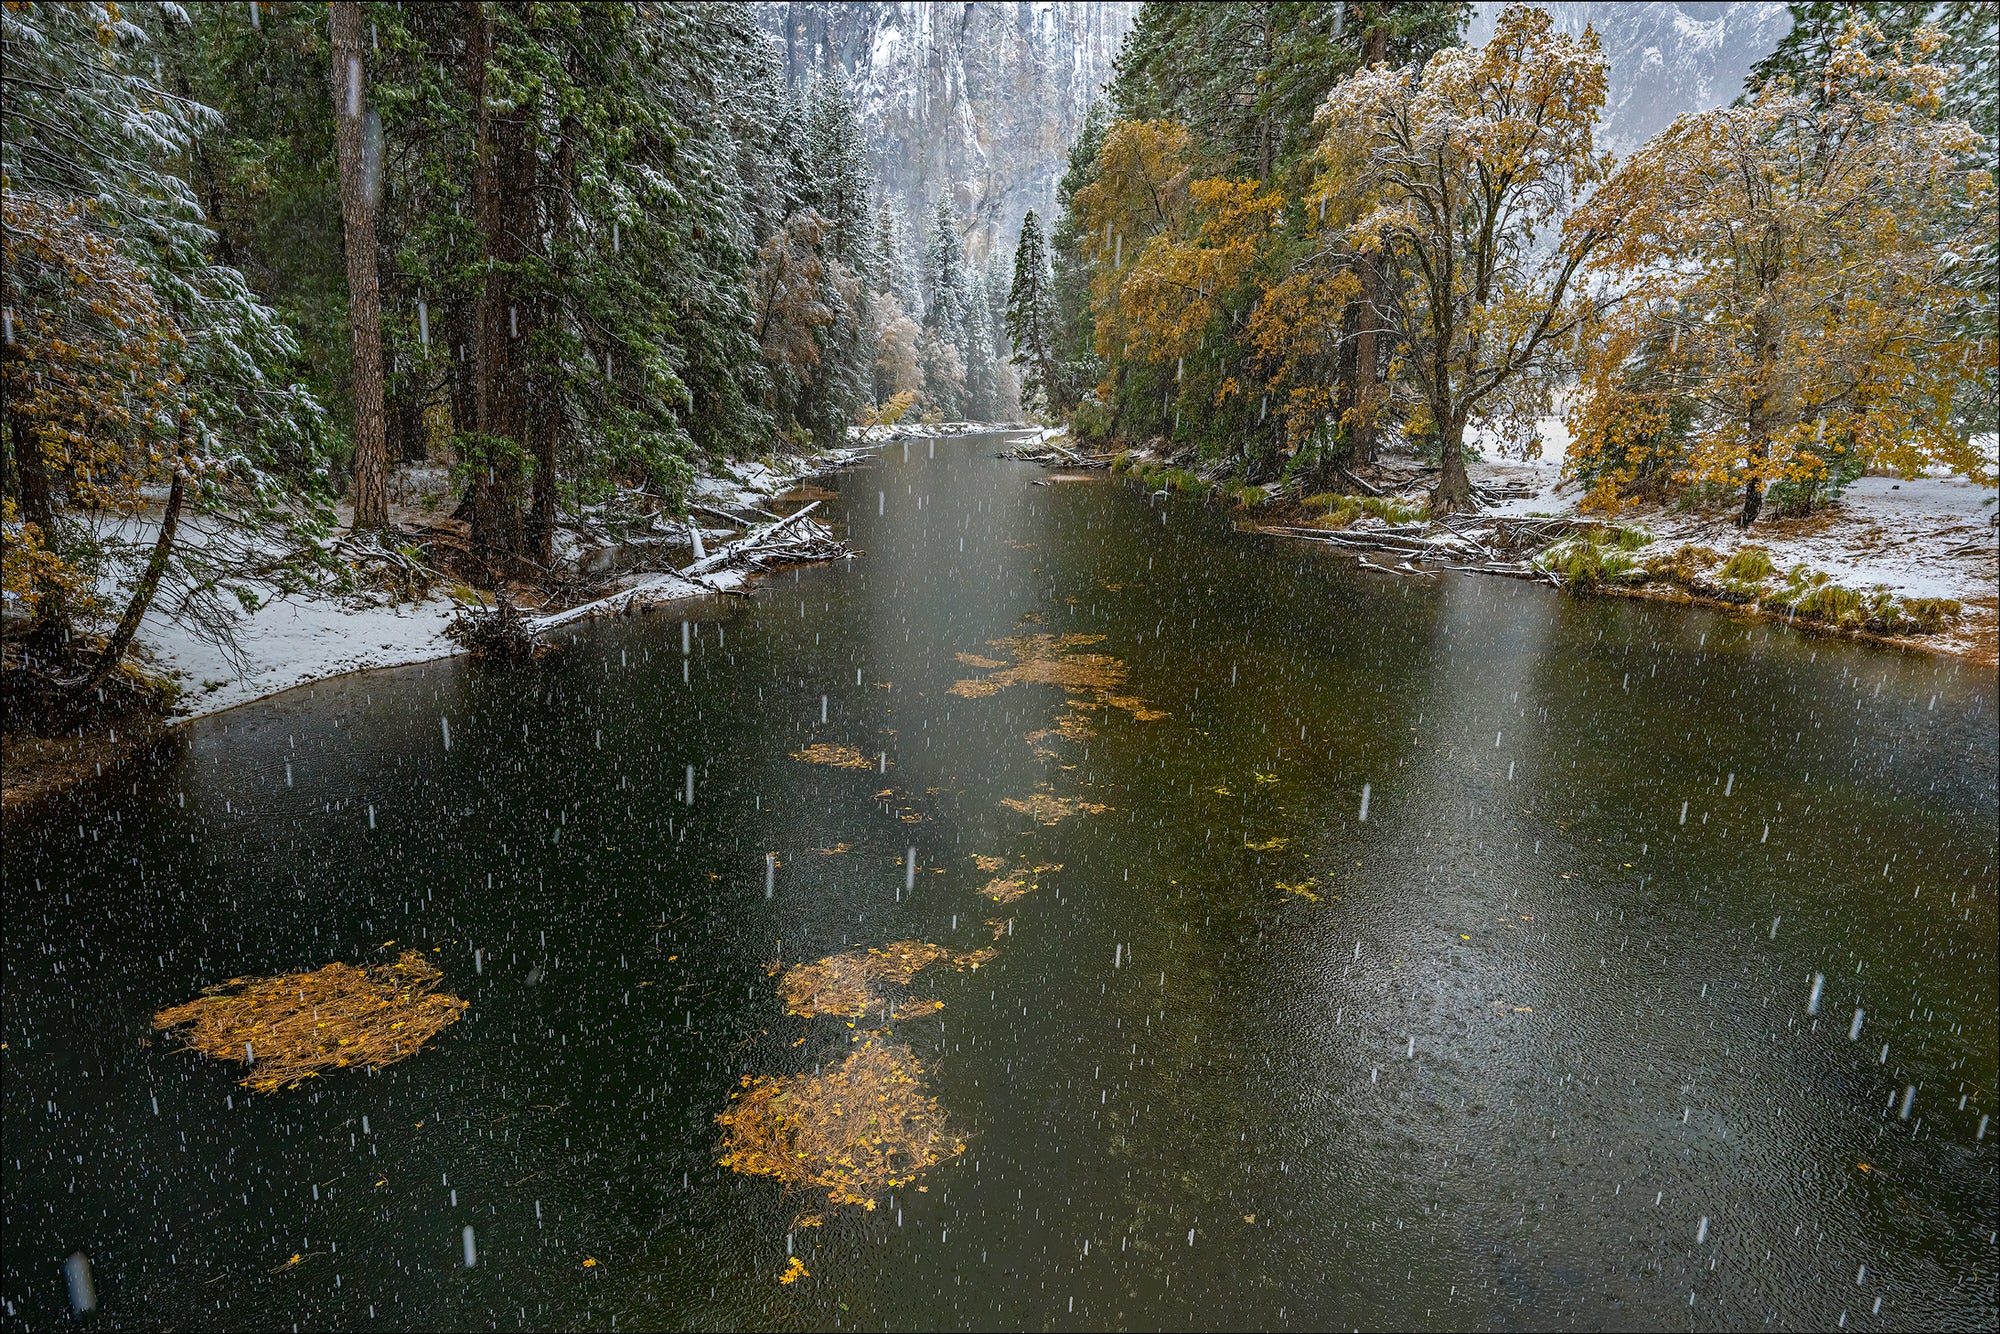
x=1974, y=639
x=33, y=768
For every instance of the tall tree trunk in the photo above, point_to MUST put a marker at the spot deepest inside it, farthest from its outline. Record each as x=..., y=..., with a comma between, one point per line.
x=1367, y=355
x=485, y=211
x=1454, y=488
x=496, y=521
x=547, y=408
x=364, y=293
x=1362, y=436
x=1267, y=125
x=142, y=596
x=48, y=638
x=1760, y=418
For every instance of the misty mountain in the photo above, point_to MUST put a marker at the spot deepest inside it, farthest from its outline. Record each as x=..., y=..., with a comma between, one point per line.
x=979, y=99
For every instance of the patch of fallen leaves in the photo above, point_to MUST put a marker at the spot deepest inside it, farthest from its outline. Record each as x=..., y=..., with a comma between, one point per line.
x=985, y=863
x=849, y=984
x=1017, y=884
x=1054, y=660
x=1047, y=808
x=1303, y=889
x=290, y=1027
x=838, y=757
x=863, y=1127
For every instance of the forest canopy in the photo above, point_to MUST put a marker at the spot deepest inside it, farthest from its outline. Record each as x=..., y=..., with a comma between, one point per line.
x=260, y=255
x=1297, y=231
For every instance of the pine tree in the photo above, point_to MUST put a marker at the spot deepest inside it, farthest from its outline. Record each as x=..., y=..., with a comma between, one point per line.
x=947, y=363
x=1247, y=78
x=364, y=296
x=180, y=374
x=1031, y=316
x=1074, y=335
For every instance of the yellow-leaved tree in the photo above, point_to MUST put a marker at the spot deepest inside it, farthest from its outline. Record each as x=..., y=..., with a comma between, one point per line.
x=1140, y=191
x=1471, y=167
x=1796, y=273
x=1179, y=259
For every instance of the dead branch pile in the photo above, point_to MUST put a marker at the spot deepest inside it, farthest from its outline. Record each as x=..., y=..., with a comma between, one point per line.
x=861, y=1128
x=1049, y=452
x=290, y=1027
x=500, y=633
x=790, y=540
x=398, y=565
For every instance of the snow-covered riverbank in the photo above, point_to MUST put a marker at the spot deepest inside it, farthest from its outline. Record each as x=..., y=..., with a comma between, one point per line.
x=1904, y=560
x=293, y=641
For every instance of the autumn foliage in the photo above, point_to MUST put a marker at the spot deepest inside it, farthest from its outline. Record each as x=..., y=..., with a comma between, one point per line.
x=1793, y=271
x=1777, y=294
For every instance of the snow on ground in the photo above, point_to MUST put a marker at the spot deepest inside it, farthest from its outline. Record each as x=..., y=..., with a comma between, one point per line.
x=291, y=641
x=1923, y=537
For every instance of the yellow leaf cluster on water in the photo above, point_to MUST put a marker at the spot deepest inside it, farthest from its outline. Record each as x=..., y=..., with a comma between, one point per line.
x=794, y=1271
x=985, y=863
x=1048, y=808
x=1017, y=884
x=839, y=757
x=861, y=1128
x=1052, y=660
x=848, y=984
x=1268, y=845
x=292, y=1026
x=1303, y=889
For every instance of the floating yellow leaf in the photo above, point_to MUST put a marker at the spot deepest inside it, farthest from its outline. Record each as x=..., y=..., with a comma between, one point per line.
x=1303, y=889
x=839, y=757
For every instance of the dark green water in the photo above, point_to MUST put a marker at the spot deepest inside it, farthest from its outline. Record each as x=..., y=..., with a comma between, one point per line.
x=1538, y=1027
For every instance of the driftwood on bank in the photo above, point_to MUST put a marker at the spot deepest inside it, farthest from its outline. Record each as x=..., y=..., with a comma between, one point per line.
x=1482, y=539
x=1049, y=452
x=499, y=632
x=791, y=539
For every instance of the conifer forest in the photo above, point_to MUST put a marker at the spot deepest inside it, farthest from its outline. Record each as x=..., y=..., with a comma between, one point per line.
x=1360, y=494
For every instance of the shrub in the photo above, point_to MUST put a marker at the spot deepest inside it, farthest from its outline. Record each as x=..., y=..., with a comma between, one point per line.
x=1926, y=616
x=1685, y=568
x=1748, y=564
x=1092, y=422
x=1575, y=562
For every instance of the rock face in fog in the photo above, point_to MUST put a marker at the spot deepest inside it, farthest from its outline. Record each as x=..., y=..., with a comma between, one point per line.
x=980, y=99
x=1666, y=58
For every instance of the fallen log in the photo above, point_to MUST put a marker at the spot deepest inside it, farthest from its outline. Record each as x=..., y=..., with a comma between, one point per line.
x=690, y=575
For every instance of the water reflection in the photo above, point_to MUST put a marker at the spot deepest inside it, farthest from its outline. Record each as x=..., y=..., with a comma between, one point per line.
x=1516, y=1040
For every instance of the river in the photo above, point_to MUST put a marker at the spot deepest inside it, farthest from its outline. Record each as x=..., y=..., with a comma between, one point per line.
x=1536, y=1042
